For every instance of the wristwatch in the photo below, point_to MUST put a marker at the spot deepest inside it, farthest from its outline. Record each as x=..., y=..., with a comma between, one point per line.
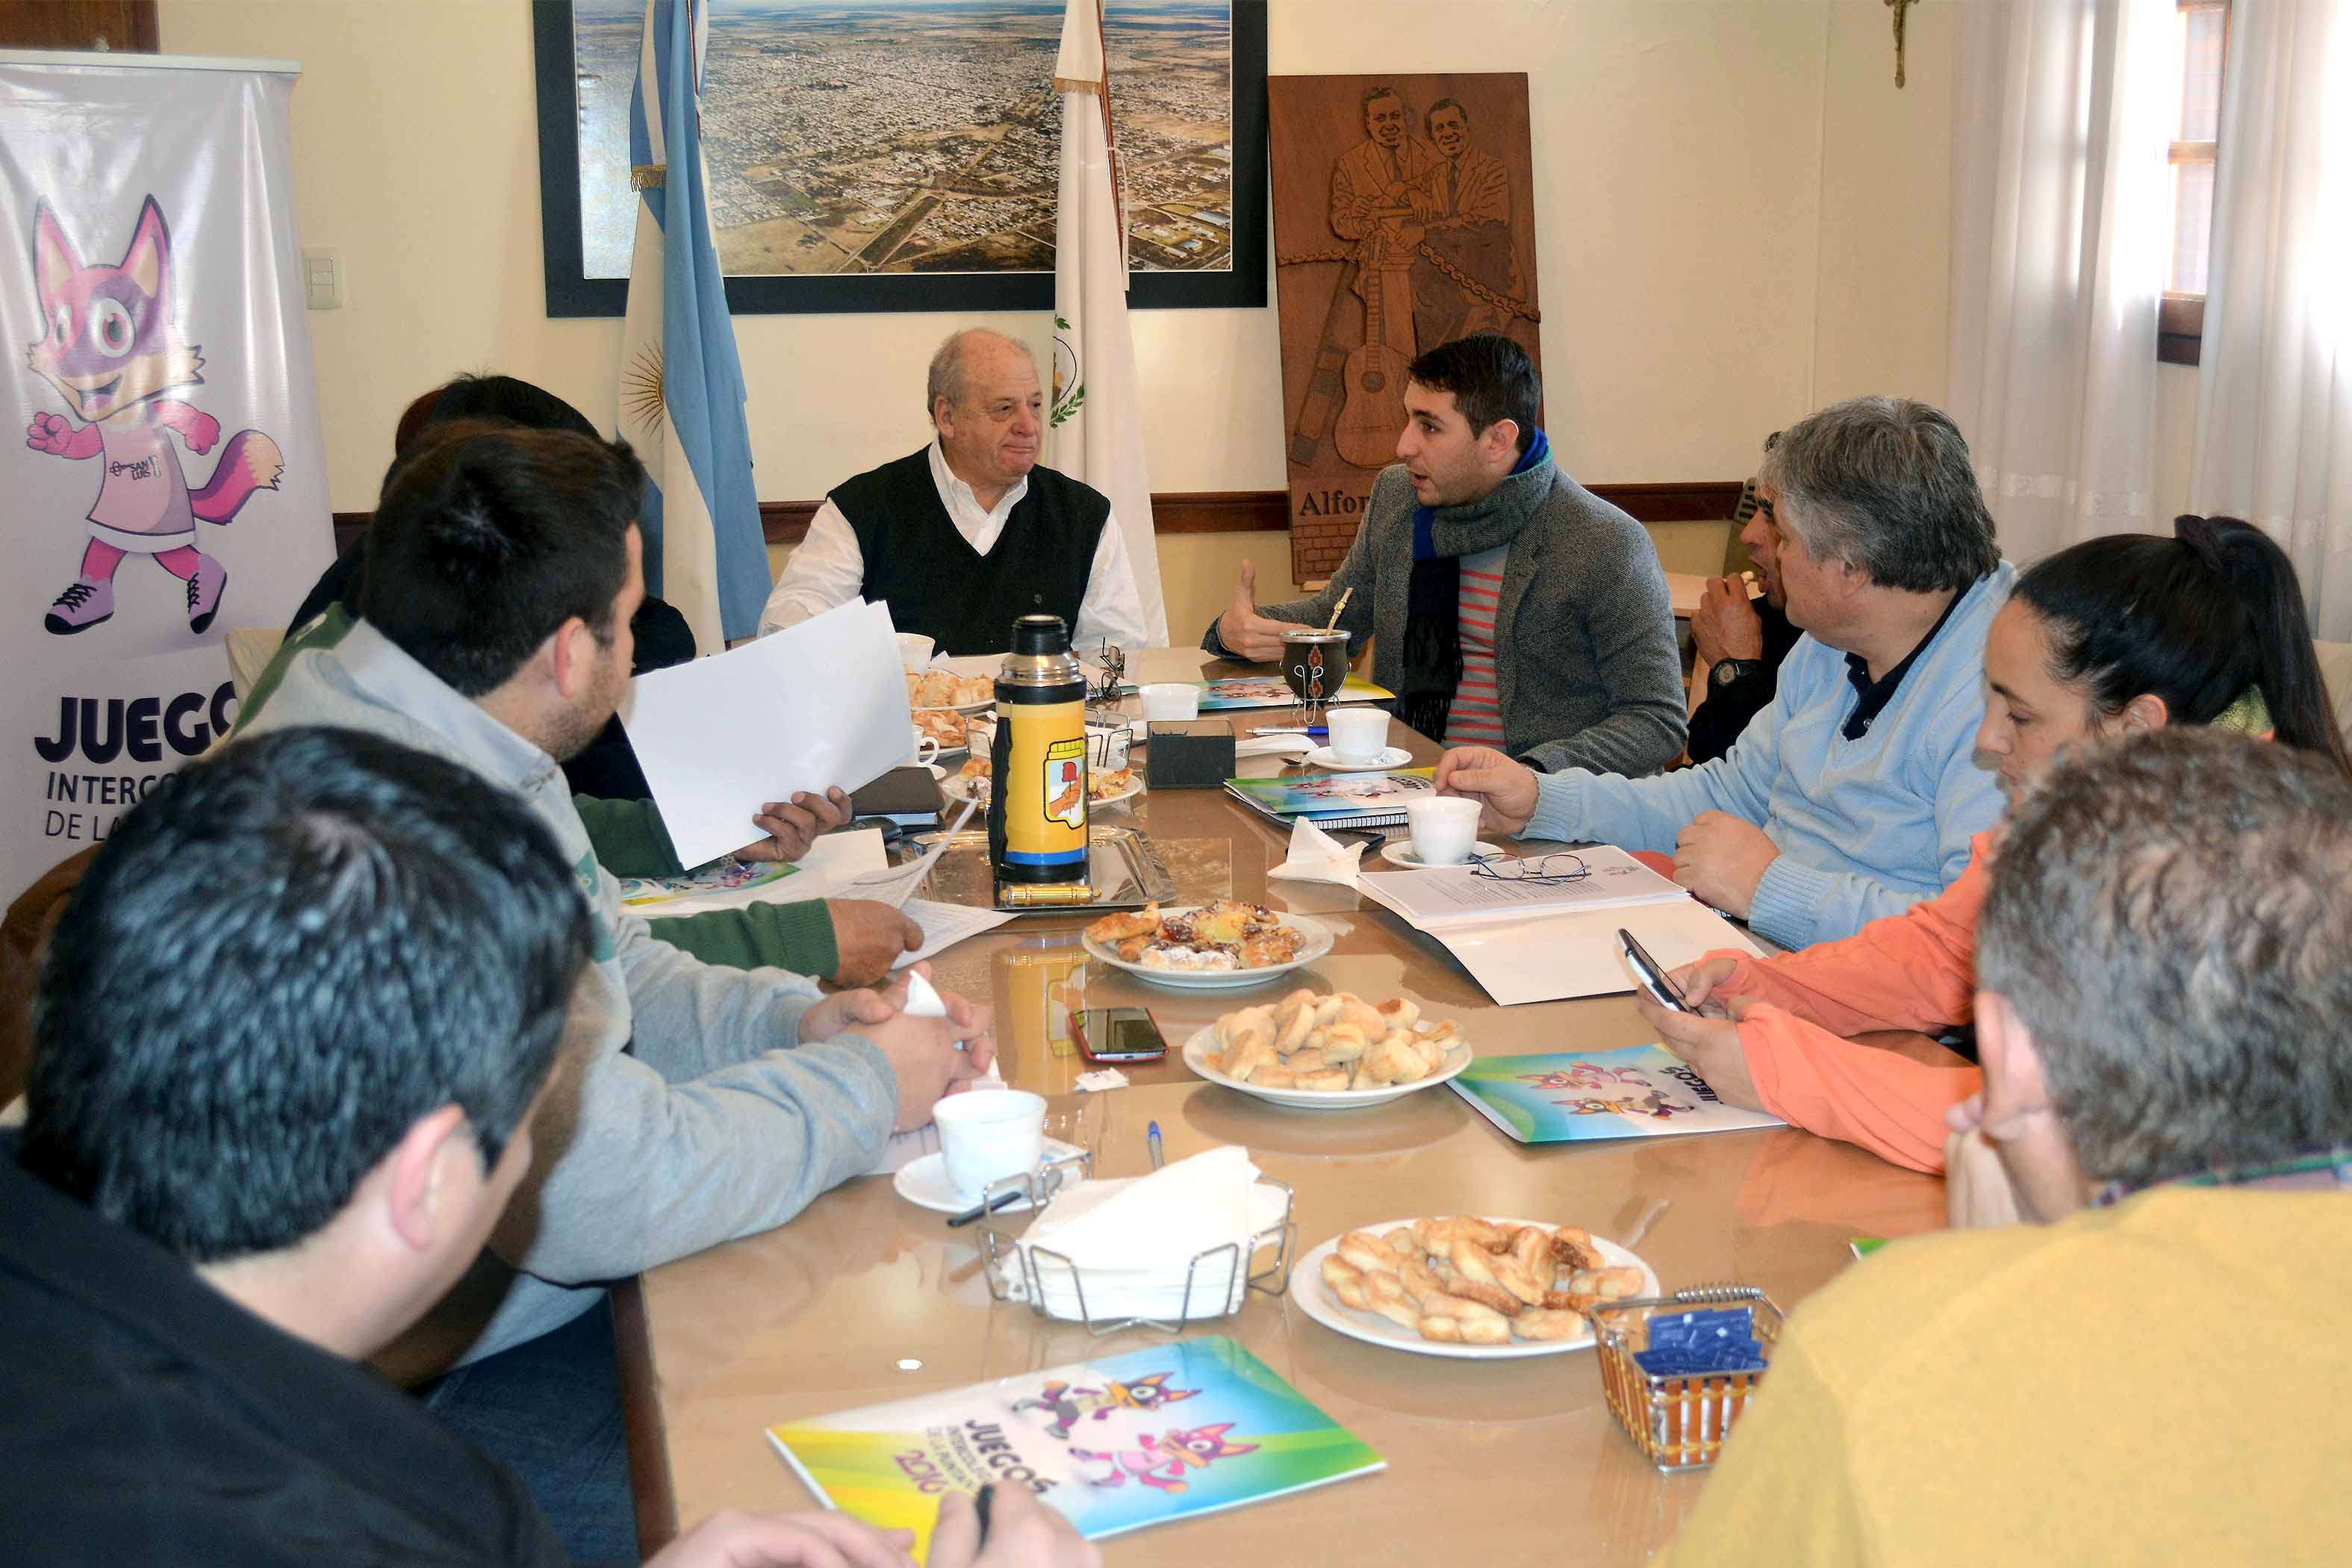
x=1733, y=670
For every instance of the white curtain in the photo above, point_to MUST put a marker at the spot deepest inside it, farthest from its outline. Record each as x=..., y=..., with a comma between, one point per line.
x=2062, y=120
x=2275, y=390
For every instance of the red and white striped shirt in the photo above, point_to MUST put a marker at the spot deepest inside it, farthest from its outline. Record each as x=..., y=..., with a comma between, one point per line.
x=1476, y=717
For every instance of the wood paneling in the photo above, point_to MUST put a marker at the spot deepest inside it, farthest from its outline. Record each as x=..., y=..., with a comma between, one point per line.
x=1254, y=511
x=121, y=25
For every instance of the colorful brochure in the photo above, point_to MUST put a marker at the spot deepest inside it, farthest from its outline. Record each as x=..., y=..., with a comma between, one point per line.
x=648, y=893
x=1640, y=1091
x=1269, y=692
x=1337, y=800
x=1116, y=1444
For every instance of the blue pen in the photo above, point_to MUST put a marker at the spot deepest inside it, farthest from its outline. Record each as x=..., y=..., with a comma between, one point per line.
x=1152, y=1142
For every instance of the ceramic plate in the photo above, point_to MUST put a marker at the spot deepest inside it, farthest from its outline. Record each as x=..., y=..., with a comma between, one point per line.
x=1316, y=942
x=1202, y=1046
x=1306, y=1289
x=1327, y=759
x=957, y=788
x=1399, y=852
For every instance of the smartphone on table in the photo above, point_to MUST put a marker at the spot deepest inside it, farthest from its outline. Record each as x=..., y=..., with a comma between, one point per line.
x=1652, y=976
x=1117, y=1034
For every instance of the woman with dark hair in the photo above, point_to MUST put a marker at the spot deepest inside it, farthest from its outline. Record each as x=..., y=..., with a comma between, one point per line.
x=2105, y=639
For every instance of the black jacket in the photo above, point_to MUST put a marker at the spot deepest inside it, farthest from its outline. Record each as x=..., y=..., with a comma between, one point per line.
x=146, y=1419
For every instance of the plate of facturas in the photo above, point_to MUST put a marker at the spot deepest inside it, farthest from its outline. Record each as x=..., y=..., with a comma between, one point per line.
x=1468, y=1286
x=1328, y=1053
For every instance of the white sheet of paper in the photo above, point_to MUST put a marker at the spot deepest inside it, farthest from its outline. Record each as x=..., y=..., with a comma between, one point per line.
x=819, y=704
x=944, y=925
x=1552, y=958
x=1431, y=900
x=896, y=886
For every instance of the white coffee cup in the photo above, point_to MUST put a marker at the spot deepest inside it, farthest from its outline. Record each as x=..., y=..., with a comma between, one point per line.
x=1170, y=700
x=926, y=747
x=1444, y=829
x=1359, y=734
x=985, y=1138
x=915, y=652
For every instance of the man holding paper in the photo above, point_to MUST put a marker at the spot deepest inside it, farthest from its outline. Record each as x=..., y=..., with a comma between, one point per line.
x=968, y=536
x=711, y=1102
x=1856, y=792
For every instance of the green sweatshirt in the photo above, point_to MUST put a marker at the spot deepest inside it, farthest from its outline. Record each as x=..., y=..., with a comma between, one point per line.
x=630, y=841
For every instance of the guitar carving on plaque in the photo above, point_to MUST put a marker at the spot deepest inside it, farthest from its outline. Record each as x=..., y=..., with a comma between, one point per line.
x=1400, y=222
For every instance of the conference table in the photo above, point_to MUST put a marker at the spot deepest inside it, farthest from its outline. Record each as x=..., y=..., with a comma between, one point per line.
x=866, y=1298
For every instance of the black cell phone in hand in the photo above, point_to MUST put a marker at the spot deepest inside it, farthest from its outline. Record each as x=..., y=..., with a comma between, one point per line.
x=1653, y=978
x=1117, y=1034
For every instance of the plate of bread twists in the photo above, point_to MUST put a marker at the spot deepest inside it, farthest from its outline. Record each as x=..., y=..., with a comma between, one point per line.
x=1328, y=1053
x=1464, y=1286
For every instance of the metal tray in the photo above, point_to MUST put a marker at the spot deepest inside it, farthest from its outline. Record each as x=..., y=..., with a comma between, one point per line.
x=1125, y=872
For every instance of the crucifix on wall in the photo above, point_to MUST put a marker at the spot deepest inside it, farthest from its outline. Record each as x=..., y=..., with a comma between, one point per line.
x=1899, y=6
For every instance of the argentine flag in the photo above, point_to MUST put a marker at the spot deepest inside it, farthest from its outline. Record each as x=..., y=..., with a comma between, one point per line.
x=681, y=384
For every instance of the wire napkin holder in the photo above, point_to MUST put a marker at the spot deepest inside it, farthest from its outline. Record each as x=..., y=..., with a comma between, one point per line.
x=1217, y=1280
x=1681, y=1421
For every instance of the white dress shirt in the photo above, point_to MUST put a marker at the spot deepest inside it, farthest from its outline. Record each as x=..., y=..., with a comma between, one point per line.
x=827, y=569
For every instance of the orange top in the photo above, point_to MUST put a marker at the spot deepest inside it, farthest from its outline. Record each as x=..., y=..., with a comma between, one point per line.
x=1914, y=971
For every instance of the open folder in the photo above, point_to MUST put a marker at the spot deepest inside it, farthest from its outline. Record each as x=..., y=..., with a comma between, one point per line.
x=1528, y=942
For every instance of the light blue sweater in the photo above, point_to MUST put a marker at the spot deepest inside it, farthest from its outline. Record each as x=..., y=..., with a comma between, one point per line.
x=1867, y=828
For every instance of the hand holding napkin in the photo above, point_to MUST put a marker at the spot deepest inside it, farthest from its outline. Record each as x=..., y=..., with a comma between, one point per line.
x=1316, y=856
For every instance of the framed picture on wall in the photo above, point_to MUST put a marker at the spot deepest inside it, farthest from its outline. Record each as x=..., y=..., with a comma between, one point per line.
x=904, y=154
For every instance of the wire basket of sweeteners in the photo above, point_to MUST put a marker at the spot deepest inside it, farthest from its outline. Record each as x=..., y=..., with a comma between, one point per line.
x=1680, y=1416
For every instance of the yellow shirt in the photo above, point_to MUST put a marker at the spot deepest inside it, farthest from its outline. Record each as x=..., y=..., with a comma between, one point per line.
x=2168, y=1381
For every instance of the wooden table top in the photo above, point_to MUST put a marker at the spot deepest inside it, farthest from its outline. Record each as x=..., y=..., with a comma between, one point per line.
x=1497, y=1461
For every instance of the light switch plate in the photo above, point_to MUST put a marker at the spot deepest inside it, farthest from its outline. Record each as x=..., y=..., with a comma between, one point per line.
x=323, y=280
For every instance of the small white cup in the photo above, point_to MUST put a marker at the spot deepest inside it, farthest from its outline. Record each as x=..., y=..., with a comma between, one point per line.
x=926, y=748
x=915, y=652
x=1171, y=699
x=985, y=1138
x=1444, y=829
x=1359, y=732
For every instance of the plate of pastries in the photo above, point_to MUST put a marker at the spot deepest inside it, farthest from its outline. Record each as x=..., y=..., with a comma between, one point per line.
x=944, y=725
x=1466, y=1286
x=1104, y=787
x=1328, y=1053
x=1206, y=946
x=944, y=689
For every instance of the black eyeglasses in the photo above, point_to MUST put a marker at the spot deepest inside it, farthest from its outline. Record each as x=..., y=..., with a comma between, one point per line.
x=1543, y=870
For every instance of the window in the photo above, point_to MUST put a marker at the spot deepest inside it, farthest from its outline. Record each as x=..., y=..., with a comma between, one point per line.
x=2204, y=52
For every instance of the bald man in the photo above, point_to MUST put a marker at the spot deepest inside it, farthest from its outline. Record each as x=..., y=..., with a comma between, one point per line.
x=966, y=536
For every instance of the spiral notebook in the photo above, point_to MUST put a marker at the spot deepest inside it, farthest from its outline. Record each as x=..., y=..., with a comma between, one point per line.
x=1335, y=800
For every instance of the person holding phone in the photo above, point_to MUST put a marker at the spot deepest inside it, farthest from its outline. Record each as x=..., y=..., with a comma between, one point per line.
x=2111, y=637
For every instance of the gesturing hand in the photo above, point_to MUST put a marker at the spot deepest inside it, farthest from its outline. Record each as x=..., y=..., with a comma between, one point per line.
x=1505, y=789
x=49, y=433
x=1241, y=628
x=1722, y=857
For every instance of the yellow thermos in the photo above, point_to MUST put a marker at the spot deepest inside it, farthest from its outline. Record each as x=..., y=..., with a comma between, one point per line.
x=1037, y=802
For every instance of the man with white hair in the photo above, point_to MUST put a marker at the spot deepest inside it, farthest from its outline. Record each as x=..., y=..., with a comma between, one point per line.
x=966, y=536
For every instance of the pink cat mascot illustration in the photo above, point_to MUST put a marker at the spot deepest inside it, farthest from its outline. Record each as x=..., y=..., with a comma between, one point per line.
x=109, y=345
x=1163, y=1461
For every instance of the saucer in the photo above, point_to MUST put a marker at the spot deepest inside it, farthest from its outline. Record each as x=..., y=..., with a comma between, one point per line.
x=924, y=1183
x=1323, y=757
x=1399, y=852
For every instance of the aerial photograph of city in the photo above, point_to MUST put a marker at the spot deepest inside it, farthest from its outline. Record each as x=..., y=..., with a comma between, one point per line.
x=849, y=136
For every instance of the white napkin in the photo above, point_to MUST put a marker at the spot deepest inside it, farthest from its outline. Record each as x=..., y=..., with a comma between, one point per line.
x=1316, y=856
x=1158, y=1221
x=1294, y=747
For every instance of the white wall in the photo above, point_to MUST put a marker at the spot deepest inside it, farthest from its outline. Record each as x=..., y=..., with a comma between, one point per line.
x=1738, y=217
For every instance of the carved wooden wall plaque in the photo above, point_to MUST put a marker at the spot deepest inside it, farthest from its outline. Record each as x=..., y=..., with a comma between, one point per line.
x=1403, y=219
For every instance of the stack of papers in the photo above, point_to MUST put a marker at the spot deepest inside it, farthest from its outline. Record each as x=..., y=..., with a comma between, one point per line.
x=1526, y=942
x=1132, y=1242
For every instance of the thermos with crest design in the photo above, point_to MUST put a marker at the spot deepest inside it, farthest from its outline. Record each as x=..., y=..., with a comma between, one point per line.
x=1037, y=798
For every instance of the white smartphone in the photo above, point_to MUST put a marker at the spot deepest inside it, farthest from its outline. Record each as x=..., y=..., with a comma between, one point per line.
x=1653, y=978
